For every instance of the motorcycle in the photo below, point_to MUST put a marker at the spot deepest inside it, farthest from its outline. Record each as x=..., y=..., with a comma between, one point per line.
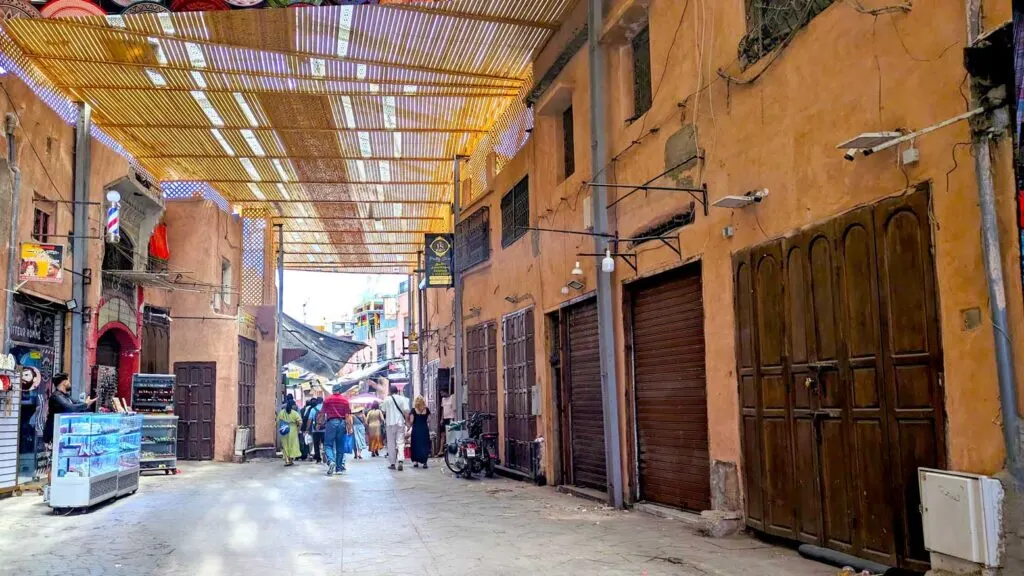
x=469, y=450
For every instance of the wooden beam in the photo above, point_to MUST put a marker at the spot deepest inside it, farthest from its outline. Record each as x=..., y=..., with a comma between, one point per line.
x=143, y=38
x=381, y=219
x=422, y=9
x=438, y=159
x=206, y=128
x=289, y=253
x=311, y=242
x=305, y=182
x=364, y=231
x=354, y=202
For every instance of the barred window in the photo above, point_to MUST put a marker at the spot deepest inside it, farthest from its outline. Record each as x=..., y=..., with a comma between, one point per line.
x=770, y=23
x=642, y=97
x=473, y=240
x=515, y=213
x=568, y=144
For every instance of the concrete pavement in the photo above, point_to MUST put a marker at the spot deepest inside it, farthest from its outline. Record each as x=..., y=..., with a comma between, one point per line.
x=262, y=518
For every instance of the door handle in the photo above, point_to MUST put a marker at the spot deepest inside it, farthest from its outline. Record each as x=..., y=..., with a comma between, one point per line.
x=827, y=412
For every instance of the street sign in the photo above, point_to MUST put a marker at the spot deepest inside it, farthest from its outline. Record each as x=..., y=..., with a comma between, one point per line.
x=440, y=255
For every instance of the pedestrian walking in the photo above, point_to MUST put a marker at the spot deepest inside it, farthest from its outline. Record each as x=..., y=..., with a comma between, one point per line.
x=289, y=421
x=337, y=417
x=396, y=415
x=307, y=442
x=359, y=433
x=316, y=426
x=375, y=429
x=420, y=432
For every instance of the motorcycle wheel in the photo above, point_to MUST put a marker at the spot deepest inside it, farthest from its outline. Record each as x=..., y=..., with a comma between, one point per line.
x=489, y=470
x=455, y=462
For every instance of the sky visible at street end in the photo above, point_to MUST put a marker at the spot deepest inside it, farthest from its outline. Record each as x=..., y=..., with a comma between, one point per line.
x=331, y=296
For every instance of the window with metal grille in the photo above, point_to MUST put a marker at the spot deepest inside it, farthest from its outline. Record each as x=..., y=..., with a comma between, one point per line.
x=515, y=213
x=41, y=225
x=642, y=97
x=771, y=22
x=473, y=240
x=246, y=383
x=568, y=144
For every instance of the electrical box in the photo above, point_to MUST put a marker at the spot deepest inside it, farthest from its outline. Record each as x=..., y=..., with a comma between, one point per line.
x=962, y=515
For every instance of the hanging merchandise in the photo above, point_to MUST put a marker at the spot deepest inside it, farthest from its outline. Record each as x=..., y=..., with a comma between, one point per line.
x=158, y=247
x=10, y=401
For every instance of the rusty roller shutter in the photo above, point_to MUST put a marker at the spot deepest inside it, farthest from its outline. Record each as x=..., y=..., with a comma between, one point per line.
x=585, y=408
x=670, y=383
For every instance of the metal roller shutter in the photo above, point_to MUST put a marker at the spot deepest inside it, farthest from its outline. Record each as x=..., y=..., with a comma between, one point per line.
x=670, y=384
x=585, y=409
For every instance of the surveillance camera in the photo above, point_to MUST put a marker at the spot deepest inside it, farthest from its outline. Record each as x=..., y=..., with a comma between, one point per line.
x=851, y=154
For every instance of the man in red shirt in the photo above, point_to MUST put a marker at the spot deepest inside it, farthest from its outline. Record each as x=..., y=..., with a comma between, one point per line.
x=337, y=415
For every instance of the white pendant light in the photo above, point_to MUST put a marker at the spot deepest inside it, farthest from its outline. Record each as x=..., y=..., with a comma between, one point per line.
x=577, y=270
x=608, y=263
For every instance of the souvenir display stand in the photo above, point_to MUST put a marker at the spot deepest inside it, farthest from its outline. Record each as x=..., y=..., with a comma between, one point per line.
x=160, y=443
x=153, y=393
x=96, y=457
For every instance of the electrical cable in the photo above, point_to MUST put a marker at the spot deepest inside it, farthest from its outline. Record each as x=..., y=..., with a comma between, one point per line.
x=32, y=146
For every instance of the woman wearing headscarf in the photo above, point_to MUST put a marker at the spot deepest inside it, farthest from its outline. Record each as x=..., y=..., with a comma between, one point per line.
x=289, y=416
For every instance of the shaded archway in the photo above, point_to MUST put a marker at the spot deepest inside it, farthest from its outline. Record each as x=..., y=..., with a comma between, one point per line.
x=116, y=348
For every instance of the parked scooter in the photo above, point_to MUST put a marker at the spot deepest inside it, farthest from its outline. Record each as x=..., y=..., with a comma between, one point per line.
x=470, y=451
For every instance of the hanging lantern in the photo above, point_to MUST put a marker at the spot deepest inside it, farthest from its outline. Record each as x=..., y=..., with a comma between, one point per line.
x=113, y=217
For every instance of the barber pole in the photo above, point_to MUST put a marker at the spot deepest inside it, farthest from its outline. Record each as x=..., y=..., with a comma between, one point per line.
x=114, y=217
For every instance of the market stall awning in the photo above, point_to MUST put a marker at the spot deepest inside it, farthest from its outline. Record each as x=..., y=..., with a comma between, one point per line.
x=323, y=354
x=371, y=371
x=339, y=122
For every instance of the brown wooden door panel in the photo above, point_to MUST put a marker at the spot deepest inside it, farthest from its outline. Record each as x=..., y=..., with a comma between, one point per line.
x=586, y=409
x=750, y=404
x=912, y=360
x=195, y=396
x=520, y=377
x=482, y=373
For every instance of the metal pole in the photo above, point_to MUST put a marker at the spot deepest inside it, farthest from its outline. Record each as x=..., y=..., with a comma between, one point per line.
x=460, y=396
x=605, y=317
x=409, y=330
x=994, y=274
x=280, y=308
x=12, y=247
x=80, y=248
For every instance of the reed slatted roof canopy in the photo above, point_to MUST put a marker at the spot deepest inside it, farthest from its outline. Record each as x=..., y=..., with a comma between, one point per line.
x=339, y=122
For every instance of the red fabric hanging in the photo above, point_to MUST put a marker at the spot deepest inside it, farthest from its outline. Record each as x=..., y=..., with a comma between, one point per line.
x=158, y=243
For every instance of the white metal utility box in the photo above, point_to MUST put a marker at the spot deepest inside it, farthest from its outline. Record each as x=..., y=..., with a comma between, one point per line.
x=962, y=515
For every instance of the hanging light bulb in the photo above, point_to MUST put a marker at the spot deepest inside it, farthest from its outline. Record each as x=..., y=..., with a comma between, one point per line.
x=608, y=263
x=577, y=270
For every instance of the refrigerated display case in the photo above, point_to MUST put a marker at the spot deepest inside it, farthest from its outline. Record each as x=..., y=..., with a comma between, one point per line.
x=159, y=443
x=95, y=458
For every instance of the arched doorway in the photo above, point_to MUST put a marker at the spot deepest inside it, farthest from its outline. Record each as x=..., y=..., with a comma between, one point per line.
x=116, y=354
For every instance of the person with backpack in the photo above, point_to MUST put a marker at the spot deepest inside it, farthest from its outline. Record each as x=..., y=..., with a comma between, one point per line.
x=396, y=416
x=307, y=440
x=289, y=422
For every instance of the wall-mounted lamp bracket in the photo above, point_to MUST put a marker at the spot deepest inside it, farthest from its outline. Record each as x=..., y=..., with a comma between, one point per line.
x=699, y=194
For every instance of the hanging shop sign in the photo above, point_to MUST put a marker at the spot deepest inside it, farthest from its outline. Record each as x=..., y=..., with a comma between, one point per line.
x=41, y=262
x=247, y=325
x=440, y=260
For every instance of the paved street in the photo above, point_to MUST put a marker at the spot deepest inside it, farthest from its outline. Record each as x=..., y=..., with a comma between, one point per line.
x=261, y=518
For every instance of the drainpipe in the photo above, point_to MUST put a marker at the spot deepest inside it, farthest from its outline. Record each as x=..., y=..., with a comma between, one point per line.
x=993, y=255
x=280, y=306
x=80, y=210
x=410, y=328
x=457, y=307
x=605, y=315
x=12, y=248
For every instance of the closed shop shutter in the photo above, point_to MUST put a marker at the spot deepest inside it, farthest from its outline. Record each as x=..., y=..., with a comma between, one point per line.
x=586, y=413
x=670, y=384
x=482, y=373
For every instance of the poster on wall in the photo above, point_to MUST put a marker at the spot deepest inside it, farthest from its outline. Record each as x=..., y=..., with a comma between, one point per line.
x=41, y=262
x=440, y=260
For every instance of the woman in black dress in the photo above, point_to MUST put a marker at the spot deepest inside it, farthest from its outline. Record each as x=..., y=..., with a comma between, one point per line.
x=420, y=432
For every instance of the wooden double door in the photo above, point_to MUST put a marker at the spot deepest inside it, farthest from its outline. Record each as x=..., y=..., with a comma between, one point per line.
x=839, y=363
x=195, y=404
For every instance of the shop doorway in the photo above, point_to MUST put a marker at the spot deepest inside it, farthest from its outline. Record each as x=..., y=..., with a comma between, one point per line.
x=517, y=331
x=670, y=389
x=156, y=341
x=582, y=386
x=104, y=380
x=194, y=403
x=482, y=373
x=839, y=361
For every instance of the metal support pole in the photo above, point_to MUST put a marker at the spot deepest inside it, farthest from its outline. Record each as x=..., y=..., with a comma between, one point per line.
x=994, y=274
x=460, y=395
x=605, y=316
x=12, y=248
x=410, y=329
x=80, y=248
x=280, y=308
